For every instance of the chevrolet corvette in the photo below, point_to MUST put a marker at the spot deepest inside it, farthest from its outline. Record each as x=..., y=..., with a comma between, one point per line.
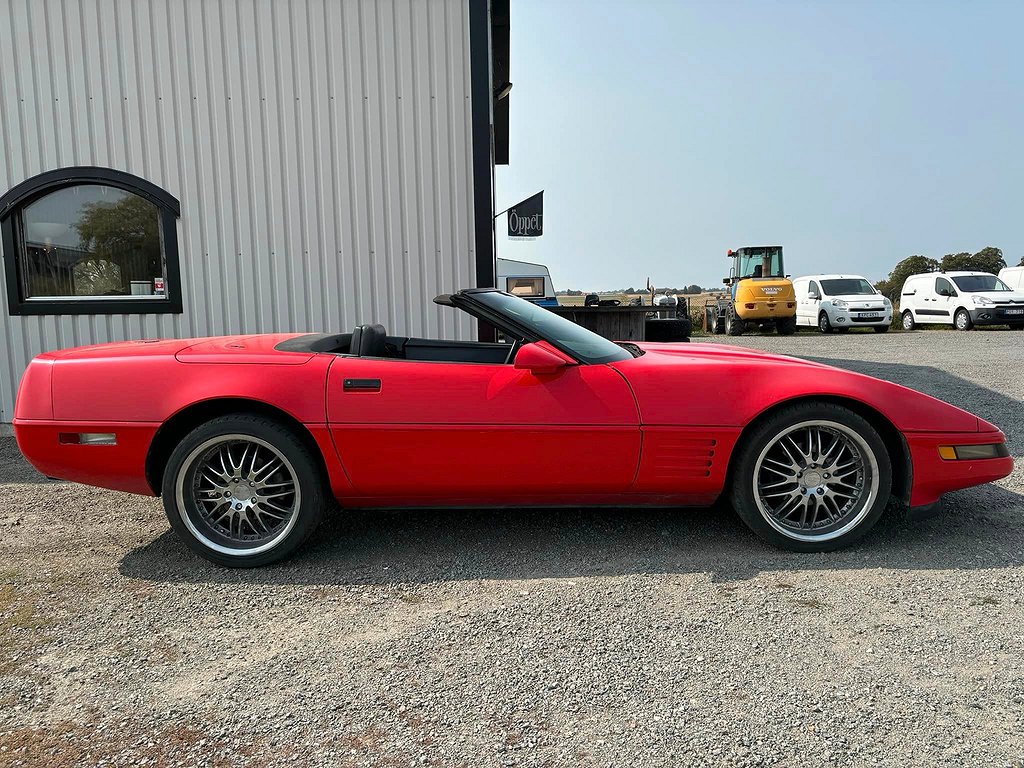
x=248, y=439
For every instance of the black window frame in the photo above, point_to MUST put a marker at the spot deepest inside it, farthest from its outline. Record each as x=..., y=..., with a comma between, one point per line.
x=13, y=203
x=948, y=282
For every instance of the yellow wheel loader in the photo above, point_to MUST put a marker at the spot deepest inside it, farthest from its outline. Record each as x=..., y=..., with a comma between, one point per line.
x=759, y=294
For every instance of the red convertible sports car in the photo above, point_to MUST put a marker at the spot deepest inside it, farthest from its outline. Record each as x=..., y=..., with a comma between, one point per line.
x=247, y=438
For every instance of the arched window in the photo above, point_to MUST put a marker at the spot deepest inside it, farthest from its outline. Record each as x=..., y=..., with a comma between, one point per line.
x=90, y=241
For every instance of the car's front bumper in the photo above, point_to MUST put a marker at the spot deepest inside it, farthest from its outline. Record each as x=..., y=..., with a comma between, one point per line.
x=845, y=318
x=997, y=315
x=934, y=475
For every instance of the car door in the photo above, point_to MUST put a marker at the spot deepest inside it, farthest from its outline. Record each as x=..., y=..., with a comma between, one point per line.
x=942, y=301
x=801, y=288
x=444, y=432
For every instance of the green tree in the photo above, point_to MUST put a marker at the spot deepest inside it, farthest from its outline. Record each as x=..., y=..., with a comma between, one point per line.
x=986, y=260
x=125, y=234
x=1021, y=262
x=912, y=265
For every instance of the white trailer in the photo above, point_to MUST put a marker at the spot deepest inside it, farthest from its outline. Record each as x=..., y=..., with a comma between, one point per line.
x=526, y=279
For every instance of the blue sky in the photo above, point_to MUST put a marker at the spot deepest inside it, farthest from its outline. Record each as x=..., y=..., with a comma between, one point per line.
x=852, y=133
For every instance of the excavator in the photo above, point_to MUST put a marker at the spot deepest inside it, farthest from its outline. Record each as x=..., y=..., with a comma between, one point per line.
x=760, y=294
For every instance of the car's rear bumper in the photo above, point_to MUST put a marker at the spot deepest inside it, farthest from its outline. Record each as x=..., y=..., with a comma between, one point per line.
x=120, y=466
x=934, y=475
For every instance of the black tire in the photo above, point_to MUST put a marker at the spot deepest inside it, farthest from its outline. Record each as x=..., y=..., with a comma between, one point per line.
x=712, y=322
x=824, y=325
x=733, y=325
x=754, y=459
x=786, y=326
x=908, y=320
x=881, y=329
x=677, y=329
x=298, y=484
x=962, y=320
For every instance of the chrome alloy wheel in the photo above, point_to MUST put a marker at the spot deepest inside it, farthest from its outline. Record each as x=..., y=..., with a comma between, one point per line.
x=237, y=493
x=815, y=480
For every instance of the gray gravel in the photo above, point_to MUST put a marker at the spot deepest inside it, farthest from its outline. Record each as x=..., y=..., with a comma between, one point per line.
x=535, y=638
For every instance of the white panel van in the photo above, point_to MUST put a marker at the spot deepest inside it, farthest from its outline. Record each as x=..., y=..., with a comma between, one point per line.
x=840, y=302
x=1013, y=277
x=960, y=299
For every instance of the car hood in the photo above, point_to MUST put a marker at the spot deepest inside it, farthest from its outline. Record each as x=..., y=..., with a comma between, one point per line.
x=717, y=384
x=1000, y=297
x=858, y=298
x=720, y=352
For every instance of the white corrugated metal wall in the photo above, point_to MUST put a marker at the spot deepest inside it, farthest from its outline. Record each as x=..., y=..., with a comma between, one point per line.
x=320, y=149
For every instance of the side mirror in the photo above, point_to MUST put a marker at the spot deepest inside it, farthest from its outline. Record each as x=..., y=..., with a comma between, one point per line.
x=540, y=359
x=814, y=295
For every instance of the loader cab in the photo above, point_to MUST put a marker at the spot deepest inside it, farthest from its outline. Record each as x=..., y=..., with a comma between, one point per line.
x=758, y=262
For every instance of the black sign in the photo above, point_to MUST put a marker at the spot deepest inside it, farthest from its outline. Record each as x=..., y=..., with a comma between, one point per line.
x=526, y=220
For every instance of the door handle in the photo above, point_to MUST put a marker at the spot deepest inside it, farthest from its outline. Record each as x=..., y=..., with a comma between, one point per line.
x=361, y=385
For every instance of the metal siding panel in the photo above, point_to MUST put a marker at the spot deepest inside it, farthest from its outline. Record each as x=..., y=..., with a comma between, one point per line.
x=320, y=151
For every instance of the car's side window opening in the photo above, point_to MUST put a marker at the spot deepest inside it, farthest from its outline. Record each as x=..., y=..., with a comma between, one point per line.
x=373, y=342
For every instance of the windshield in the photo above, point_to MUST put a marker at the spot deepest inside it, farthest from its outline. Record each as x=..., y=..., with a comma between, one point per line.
x=586, y=346
x=847, y=286
x=980, y=283
x=760, y=262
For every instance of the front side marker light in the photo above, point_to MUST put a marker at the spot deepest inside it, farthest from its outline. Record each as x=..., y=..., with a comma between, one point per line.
x=87, y=438
x=966, y=452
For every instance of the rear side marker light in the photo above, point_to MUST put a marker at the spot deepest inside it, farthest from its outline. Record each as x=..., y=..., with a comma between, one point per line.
x=87, y=438
x=965, y=452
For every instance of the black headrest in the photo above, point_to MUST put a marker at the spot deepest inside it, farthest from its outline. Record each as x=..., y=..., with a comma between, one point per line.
x=369, y=340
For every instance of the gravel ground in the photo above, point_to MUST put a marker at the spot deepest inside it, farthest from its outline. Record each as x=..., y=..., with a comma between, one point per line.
x=534, y=638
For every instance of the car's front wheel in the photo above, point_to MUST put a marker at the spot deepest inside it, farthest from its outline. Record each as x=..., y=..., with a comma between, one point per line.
x=243, y=491
x=812, y=477
x=823, y=323
x=962, y=320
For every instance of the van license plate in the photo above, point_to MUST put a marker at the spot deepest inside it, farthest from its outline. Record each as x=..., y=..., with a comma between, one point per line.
x=869, y=316
x=1015, y=311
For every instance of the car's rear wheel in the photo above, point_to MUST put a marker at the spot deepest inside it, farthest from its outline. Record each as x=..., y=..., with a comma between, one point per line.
x=733, y=325
x=812, y=477
x=962, y=320
x=243, y=491
x=908, y=321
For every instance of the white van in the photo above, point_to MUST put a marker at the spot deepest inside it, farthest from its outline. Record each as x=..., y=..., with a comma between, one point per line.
x=960, y=299
x=1013, y=277
x=840, y=302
